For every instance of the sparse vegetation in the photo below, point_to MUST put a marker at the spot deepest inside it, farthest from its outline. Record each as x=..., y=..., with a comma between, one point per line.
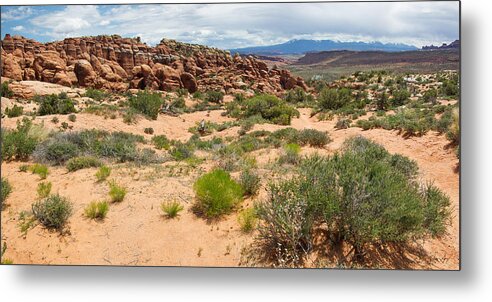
x=97, y=210
x=250, y=181
x=5, y=90
x=171, y=209
x=39, y=169
x=72, y=117
x=20, y=143
x=44, y=189
x=82, y=162
x=247, y=220
x=15, y=111
x=6, y=189
x=103, y=173
x=214, y=97
x=53, y=211
x=216, y=193
x=55, y=104
x=116, y=192
x=147, y=103
x=161, y=142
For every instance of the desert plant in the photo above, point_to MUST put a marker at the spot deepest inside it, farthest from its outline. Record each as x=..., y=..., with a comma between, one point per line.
x=265, y=106
x=343, y=123
x=72, y=117
x=82, y=162
x=21, y=142
x=453, y=133
x=15, y=111
x=331, y=98
x=313, y=137
x=130, y=116
x=298, y=95
x=103, y=173
x=116, y=192
x=146, y=103
x=171, y=209
x=284, y=231
x=161, y=142
x=39, y=169
x=216, y=193
x=291, y=154
x=5, y=90
x=247, y=220
x=55, y=104
x=95, y=94
x=149, y=130
x=44, y=189
x=6, y=189
x=400, y=97
x=214, y=96
x=55, y=120
x=53, y=211
x=97, y=210
x=250, y=182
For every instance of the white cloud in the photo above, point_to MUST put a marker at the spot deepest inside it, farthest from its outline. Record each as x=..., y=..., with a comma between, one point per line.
x=16, y=13
x=239, y=25
x=18, y=28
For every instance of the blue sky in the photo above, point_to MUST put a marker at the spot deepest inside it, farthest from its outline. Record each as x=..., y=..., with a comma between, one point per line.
x=241, y=25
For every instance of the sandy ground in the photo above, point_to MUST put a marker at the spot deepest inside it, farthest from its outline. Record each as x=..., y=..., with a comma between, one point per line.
x=135, y=232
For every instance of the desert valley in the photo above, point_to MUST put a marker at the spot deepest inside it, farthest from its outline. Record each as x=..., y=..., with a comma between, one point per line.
x=115, y=152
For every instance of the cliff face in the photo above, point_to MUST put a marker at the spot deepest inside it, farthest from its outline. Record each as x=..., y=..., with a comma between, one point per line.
x=116, y=63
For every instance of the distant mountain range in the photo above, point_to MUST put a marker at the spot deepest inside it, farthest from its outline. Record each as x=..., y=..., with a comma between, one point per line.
x=453, y=45
x=305, y=46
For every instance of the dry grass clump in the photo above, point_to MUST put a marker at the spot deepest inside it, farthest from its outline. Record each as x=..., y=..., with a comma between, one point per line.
x=171, y=209
x=97, y=210
x=103, y=173
x=44, y=189
x=116, y=192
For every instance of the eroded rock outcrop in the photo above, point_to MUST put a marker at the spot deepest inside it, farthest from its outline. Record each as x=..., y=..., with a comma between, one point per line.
x=116, y=63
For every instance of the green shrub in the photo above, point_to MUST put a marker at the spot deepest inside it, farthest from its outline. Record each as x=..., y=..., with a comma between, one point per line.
x=40, y=170
x=15, y=111
x=298, y=95
x=56, y=151
x=171, y=209
x=6, y=190
x=313, y=137
x=331, y=98
x=146, y=103
x=453, y=133
x=116, y=192
x=270, y=108
x=82, y=162
x=23, y=168
x=247, y=220
x=53, y=211
x=343, y=123
x=130, y=116
x=55, y=120
x=64, y=125
x=95, y=94
x=55, y=104
x=149, y=130
x=5, y=90
x=20, y=143
x=430, y=96
x=284, y=231
x=97, y=210
x=161, y=142
x=400, y=97
x=44, y=189
x=72, y=117
x=214, y=97
x=291, y=154
x=216, y=193
x=382, y=101
x=103, y=173
x=250, y=182
x=181, y=151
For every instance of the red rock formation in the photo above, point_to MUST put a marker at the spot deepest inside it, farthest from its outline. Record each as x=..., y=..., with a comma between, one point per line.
x=117, y=63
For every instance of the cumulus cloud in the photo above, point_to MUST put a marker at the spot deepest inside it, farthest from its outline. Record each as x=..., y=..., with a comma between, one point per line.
x=16, y=13
x=239, y=25
x=18, y=28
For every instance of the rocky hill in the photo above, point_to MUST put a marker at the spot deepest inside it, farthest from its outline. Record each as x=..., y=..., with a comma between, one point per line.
x=116, y=63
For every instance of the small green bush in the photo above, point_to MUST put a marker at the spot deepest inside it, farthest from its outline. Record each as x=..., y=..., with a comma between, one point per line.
x=103, y=173
x=343, y=123
x=171, y=209
x=21, y=142
x=5, y=90
x=44, y=189
x=53, y=211
x=214, y=96
x=15, y=111
x=55, y=104
x=247, y=220
x=72, y=118
x=97, y=210
x=6, y=190
x=298, y=95
x=147, y=103
x=149, y=130
x=291, y=154
x=161, y=142
x=55, y=120
x=56, y=152
x=216, y=193
x=130, y=116
x=181, y=151
x=39, y=169
x=250, y=182
x=313, y=137
x=82, y=162
x=267, y=107
x=95, y=94
x=331, y=98
x=116, y=192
